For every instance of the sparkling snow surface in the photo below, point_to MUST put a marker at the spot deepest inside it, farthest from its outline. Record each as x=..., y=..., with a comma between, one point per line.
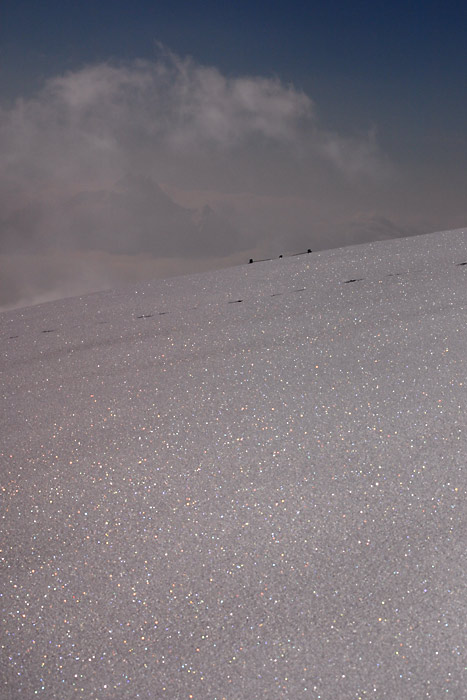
x=243, y=484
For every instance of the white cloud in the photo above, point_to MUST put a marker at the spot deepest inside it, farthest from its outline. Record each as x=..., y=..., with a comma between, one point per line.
x=105, y=158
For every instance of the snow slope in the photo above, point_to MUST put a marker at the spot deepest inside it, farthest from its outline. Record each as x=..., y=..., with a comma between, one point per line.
x=243, y=484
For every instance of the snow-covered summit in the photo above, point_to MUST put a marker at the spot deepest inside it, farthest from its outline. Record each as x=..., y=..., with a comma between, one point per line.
x=243, y=484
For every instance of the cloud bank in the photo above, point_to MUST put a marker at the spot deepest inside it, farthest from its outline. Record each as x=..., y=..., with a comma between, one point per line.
x=113, y=173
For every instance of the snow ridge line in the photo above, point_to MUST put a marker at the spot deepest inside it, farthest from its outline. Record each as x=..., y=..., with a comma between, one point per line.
x=287, y=255
x=239, y=301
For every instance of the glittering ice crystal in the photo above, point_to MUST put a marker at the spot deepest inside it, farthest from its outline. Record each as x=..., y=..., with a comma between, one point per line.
x=205, y=499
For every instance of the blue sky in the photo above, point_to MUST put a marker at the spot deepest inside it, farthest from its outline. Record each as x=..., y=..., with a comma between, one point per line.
x=400, y=56
x=382, y=77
